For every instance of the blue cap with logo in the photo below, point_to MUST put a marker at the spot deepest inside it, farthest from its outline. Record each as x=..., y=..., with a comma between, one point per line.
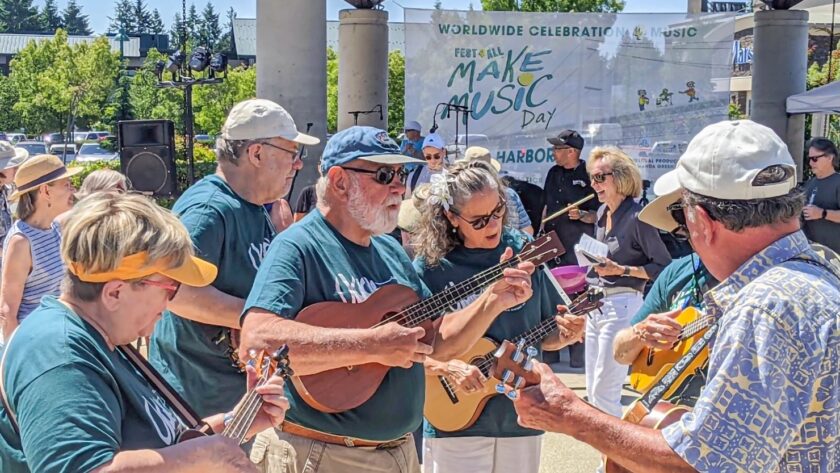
x=363, y=142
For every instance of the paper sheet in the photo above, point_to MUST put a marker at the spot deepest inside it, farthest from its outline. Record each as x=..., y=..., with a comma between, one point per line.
x=590, y=251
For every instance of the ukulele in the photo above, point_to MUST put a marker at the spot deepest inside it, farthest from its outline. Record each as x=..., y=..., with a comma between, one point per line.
x=652, y=364
x=243, y=417
x=346, y=388
x=450, y=410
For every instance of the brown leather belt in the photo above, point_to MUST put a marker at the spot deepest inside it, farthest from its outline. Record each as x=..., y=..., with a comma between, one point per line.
x=325, y=437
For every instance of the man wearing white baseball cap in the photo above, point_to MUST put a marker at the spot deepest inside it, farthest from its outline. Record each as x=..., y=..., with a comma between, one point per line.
x=434, y=152
x=257, y=156
x=412, y=144
x=771, y=402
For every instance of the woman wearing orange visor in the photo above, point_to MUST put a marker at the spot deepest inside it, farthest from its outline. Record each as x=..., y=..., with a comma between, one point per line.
x=74, y=396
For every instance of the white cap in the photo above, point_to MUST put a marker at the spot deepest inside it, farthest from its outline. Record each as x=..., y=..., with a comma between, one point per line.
x=480, y=153
x=435, y=141
x=722, y=162
x=412, y=125
x=10, y=156
x=256, y=119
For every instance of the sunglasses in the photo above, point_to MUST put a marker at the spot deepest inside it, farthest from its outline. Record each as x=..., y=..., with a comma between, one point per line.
x=814, y=159
x=600, y=178
x=172, y=288
x=433, y=157
x=678, y=214
x=384, y=175
x=481, y=222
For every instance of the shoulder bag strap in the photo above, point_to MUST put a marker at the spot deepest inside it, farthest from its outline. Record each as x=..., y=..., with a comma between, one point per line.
x=5, y=400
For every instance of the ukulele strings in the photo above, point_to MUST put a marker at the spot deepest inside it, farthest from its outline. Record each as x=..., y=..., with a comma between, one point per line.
x=419, y=311
x=244, y=416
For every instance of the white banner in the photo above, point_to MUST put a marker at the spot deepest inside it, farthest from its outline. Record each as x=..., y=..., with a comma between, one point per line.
x=644, y=82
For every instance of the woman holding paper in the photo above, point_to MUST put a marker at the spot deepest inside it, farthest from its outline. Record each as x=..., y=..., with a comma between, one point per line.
x=634, y=254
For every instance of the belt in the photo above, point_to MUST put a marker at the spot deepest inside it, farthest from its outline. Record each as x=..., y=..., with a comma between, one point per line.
x=325, y=437
x=611, y=291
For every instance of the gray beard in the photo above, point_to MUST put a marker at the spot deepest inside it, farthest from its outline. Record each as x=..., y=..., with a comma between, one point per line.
x=374, y=219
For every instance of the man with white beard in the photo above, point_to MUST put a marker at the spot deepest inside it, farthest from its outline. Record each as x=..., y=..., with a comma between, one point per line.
x=341, y=253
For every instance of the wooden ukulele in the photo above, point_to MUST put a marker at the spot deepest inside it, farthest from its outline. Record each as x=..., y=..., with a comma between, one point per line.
x=450, y=410
x=243, y=417
x=342, y=389
x=652, y=364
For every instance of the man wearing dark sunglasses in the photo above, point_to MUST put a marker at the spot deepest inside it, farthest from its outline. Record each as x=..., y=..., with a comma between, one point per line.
x=340, y=253
x=434, y=154
x=821, y=215
x=257, y=156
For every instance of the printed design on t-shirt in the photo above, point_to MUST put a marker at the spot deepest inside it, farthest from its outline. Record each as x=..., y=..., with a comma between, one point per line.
x=160, y=415
x=256, y=253
x=355, y=290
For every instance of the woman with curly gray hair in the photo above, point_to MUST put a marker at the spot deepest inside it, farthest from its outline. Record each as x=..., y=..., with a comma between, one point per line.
x=462, y=231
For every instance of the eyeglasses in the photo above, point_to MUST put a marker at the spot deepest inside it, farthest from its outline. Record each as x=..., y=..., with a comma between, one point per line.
x=600, y=178
x=814, y=159
x=295, y=153
x=172, y=288
x=481, y=222
x=433, y=157
x=384, y=175
x=678, y=214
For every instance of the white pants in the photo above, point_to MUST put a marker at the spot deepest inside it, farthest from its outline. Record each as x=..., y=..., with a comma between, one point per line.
x=482, y=454
x=604, y=375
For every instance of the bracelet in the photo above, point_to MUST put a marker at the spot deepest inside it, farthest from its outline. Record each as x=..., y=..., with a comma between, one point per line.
x=228, y=418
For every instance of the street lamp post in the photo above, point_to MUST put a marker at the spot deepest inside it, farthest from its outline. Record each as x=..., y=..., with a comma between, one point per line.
x=122, y=38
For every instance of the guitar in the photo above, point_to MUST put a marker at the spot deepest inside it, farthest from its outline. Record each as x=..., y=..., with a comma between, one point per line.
x=342, y=389
x=450, y=410
x=652, y=364
x=243, y=417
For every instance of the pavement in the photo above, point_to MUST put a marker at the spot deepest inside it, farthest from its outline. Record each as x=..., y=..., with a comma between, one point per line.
x=561, y=453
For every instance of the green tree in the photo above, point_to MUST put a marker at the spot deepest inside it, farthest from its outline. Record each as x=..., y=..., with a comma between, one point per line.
x=49, y=18
x=58, y=85
x=142, y=17
x=156, y=25
x=193, y=23
x=209, y=30
x=19, y=16
x=213, y=102
x=332, y=91
x=75, y=22
x=226, y=44
x=554, y=5
x=8, y=98
x=396, y=92
x=176, y=32
x=123, y=17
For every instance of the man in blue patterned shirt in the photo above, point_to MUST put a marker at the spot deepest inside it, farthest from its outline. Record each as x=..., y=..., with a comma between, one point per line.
x=772, y=402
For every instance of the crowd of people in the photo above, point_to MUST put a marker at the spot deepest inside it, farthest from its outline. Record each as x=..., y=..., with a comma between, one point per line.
x=232, y=271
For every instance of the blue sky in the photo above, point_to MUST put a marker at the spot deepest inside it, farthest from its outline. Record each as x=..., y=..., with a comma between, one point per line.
x=98, y=11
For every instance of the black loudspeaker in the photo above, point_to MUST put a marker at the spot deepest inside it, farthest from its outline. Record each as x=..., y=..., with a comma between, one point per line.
x=147, y=155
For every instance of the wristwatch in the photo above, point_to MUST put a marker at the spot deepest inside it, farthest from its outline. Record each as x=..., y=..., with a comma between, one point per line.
x=825, y=214
x=626, y=271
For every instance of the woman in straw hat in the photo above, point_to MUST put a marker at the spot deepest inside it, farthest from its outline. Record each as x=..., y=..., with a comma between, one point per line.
x=32, y=266
x=463, y=231
x=74, y=399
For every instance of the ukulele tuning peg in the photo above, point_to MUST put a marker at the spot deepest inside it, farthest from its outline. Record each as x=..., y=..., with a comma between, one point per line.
x=500, y=388
x=507, y=376
x=512, y=395
x=518, y=355
x=532, y=352
x=499, y=351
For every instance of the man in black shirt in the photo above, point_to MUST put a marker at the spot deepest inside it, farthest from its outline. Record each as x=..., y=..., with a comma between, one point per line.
x=566, y=183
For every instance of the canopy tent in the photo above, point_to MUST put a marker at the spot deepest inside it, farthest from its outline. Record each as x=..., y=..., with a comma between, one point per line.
x=825, y=99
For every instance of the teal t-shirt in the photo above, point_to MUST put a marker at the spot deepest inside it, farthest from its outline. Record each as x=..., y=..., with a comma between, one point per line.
x=77, y=402
x=312, y=262
x=498, y=419
x=676, y=287
x=234, y=235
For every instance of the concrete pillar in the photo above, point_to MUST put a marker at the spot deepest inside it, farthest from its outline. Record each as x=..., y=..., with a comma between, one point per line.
x=779, y=69
x=694, y=6
x=292, y=69
x=362, y=67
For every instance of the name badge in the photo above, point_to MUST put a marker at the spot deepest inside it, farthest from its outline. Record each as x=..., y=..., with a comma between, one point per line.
x=578, y=182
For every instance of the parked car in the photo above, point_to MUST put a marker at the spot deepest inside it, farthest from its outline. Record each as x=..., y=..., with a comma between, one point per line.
x=15, y=137
x=85, y=136
x=91, y=152
x=59, y=150
x=33, y=147
x=53, y=138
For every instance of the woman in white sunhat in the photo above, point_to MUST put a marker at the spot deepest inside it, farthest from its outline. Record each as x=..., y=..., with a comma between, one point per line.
x=10, y=159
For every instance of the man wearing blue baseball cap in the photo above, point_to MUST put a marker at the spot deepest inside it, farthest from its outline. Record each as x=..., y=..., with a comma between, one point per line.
x=340, y=253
